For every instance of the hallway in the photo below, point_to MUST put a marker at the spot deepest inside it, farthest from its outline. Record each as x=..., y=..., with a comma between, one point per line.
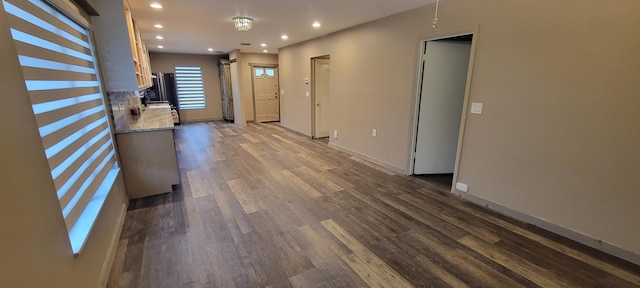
x=264, y=207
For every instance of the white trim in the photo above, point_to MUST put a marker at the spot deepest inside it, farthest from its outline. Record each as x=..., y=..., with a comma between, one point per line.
x=105, y=273
x=367, y=158
x=546, y=225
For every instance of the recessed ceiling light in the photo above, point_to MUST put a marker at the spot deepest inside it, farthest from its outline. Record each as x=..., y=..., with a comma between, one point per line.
x=265, y=50
x=263, y=45
x=210, y=49
x=159, y=37
x=160, y=46
x=156, y=5
x=316, y=24
x=284, y=37
x=159, y=26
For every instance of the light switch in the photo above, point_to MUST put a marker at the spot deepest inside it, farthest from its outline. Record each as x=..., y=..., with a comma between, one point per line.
x=476, y=108
x=282, y=92
x=374, y=132
x=335, y=134
x=307, y=94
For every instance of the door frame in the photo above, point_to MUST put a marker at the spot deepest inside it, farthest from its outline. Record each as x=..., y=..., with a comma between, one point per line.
x=465, y=106
x=313, y=92
x=253, y=88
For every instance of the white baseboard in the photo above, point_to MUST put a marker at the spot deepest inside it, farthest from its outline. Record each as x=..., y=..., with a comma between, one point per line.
x=111, y=252
x=573, y=235
x=367, y=158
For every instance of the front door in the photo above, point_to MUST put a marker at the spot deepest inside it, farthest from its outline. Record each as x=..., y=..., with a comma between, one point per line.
x=265, y=91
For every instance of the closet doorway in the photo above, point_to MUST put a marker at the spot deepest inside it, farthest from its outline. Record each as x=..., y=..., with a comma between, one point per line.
x=320, y=95
x=445, y=73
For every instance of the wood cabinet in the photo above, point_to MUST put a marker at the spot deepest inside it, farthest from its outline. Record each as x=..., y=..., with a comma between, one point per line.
x=124, y=57
x=138, y=51
x=149, y=162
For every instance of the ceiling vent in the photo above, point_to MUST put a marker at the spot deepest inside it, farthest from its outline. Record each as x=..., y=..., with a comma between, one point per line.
x=245, y=44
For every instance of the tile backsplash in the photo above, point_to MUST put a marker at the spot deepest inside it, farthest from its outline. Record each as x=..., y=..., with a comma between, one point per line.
x=121, y=103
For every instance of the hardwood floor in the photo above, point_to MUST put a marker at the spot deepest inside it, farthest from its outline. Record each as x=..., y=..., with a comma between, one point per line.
x=264, y=207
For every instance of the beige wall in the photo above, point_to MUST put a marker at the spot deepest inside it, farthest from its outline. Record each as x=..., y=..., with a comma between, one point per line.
x=166, y=63
x=34, y=244
x=247, y=87
x=295, y=65
x=558, y=137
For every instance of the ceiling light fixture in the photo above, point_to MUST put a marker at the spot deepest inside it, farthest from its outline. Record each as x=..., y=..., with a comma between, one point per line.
x=160, y=46
x=263, y=45
x=159, y=26
x=159, y=37
x=265, y=50
x=316, y=24
x=210, y=49
x=156, y=5
x=242, y=23
x=284, y=37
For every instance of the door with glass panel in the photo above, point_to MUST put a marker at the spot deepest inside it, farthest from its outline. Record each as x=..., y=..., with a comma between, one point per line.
x=265, y=92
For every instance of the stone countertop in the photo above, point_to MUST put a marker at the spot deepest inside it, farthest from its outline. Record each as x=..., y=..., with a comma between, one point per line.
x=151, y=118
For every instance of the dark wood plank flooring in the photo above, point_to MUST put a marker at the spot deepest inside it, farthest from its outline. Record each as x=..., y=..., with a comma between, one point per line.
x=264, y=207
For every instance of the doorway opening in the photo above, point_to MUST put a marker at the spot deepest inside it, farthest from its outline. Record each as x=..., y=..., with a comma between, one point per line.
x=444, y=79
x=265, y=93
x=320, y=87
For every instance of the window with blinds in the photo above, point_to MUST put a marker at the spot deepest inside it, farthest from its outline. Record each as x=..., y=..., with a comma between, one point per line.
x=190, y=87
x=57, y=61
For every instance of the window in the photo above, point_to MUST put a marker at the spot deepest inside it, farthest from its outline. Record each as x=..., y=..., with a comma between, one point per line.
x=271, y=72
x=260, y=72
x=57, y=61
x=190, y=88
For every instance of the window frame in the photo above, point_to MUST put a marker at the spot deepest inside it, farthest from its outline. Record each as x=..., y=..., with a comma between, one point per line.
x=190, y=89
x=68, y=103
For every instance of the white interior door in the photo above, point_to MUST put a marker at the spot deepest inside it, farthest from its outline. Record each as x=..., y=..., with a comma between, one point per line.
x=322, y=70
x=265, y=91
x=444, y=78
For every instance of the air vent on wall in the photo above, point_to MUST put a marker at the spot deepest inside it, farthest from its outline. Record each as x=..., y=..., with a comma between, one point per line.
x=245, y=44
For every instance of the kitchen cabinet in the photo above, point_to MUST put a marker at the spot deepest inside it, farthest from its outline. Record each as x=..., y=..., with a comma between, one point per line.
x=124, y=58
x=148, y=161
x=138, y=51
x=147, y=150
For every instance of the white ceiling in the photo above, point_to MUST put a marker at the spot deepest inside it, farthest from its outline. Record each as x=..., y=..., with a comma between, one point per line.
x=193, y=26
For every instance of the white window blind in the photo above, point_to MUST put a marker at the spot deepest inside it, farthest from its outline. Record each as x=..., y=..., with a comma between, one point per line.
x=57, y=61
x=190, y=87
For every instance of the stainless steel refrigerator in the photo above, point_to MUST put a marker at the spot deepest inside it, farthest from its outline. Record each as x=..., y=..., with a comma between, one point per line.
x=164, y=90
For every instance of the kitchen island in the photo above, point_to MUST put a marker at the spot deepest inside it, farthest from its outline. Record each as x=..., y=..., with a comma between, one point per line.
x=147, y=150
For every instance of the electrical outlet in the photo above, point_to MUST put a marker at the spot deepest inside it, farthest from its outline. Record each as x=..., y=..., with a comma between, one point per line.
x=462, y=187
x=374, y=133
x=335, y=134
